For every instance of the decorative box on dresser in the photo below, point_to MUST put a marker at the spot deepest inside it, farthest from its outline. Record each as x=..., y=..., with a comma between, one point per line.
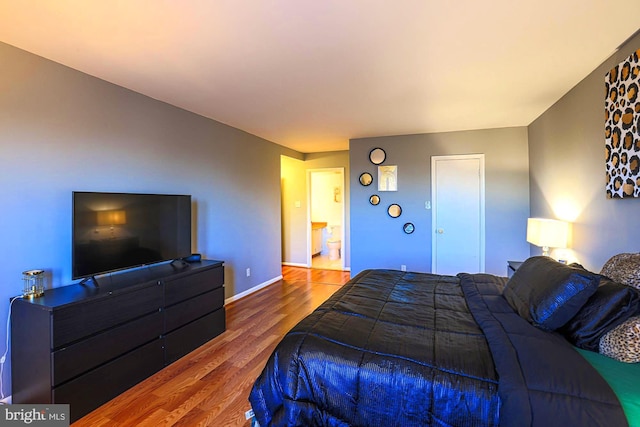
x=83, y=345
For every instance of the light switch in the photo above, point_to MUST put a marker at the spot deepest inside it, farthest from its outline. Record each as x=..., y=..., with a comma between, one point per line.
x=297, y=203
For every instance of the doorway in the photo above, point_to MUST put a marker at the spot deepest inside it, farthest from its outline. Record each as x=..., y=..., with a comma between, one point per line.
x=325, y=218
x=457, y=189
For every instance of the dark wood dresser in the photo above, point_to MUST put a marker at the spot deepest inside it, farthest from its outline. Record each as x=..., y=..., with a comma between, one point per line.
x=83, y=345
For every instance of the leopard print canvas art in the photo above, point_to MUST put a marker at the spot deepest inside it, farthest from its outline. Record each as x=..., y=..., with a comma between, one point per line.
x=622, y=128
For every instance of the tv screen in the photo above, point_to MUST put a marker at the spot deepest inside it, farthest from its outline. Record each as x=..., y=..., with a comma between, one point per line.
x=116, y=231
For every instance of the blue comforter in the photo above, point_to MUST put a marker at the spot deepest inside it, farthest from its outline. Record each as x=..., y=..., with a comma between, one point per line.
x=393, y=348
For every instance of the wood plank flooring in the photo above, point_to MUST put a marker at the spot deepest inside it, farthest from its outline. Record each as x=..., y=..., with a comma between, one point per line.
x=210, y=386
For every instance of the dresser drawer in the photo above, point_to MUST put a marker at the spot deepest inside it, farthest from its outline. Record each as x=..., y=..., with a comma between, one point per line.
x=69, y=362
x=187, y=311
x=193, y=335
x=87, y=392
x=82, y=320
x=186, y=287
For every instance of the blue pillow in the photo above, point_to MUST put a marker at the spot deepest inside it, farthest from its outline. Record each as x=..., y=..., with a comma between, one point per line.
x=548, y=293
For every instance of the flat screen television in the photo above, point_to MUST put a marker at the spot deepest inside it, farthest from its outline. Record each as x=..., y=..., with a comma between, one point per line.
x=117, y=231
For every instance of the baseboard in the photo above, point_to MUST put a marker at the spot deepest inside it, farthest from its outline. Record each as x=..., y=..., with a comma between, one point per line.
x=252, y=290
x=295, y=264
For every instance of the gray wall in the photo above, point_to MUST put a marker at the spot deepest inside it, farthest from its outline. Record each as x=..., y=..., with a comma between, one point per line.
x=377, y=241
x=567, y=172
x=62, y=130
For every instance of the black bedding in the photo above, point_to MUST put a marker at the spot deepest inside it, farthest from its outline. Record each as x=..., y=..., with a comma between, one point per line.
x=393, y=348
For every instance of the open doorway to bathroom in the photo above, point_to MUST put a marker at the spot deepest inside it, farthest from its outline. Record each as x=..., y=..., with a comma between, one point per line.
x=326, y=218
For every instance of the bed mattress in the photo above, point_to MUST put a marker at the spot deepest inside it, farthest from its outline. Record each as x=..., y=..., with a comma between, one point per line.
x=397, y=348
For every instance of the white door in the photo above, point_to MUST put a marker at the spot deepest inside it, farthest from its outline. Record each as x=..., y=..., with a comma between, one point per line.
x=457, y=194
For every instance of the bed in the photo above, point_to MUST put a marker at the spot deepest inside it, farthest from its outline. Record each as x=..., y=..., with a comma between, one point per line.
x=394, y=348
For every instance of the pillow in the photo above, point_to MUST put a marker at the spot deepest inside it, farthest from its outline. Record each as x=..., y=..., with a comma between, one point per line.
x=623, y=268
x=612, y=304
x=548, y=293
x=623, y=343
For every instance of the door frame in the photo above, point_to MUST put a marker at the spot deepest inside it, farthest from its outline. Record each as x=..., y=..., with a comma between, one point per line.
x=434, y=220
x=342, y=226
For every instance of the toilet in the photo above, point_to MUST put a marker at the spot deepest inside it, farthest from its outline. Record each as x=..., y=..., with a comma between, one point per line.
x=334, y=244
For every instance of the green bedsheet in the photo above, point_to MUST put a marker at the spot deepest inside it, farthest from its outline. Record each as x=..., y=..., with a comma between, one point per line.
x=624, y=379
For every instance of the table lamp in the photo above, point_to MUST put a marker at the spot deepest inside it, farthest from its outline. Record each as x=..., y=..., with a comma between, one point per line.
x=547, y=233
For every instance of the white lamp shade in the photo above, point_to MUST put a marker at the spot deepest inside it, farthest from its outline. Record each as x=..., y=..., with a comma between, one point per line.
x=547, y=232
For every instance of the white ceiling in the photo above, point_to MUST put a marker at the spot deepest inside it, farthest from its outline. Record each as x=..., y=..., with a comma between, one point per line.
x=311, y=74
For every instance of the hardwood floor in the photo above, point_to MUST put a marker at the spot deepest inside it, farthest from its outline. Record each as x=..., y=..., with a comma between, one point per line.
x=325, y=263
x=210, y=386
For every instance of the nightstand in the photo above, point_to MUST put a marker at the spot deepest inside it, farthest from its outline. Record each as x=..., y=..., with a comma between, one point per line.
x=512, y=266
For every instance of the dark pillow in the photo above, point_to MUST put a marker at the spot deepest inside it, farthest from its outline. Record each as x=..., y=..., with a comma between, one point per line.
x=548, y=293
x=611, y=305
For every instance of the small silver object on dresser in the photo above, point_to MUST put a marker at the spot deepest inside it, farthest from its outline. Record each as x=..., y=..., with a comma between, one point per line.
x=32, y=283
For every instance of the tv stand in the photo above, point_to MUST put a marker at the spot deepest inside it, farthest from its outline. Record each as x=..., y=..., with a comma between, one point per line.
x=91, y=280
x=84, y=345
x=179, y=264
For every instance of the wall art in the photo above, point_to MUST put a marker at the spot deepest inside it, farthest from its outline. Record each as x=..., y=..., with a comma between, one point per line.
x=622, y=128
x=387, y=178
